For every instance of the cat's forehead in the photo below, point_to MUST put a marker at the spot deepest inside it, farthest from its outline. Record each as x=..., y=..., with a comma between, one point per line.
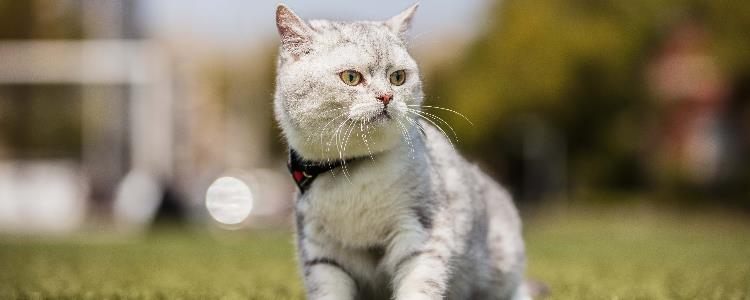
x=360, y=33
x=363, y=43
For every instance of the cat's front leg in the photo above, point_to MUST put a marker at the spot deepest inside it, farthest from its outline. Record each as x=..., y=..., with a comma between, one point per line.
x=324, y=275
x=420, y=265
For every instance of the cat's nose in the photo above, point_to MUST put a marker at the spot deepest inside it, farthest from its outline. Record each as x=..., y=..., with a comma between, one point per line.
x=385, y=98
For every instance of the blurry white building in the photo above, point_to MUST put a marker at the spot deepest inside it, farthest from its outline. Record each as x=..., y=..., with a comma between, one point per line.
x=145, y=108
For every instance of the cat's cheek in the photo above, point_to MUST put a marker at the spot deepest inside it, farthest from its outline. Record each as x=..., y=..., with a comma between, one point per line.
x=417, y=95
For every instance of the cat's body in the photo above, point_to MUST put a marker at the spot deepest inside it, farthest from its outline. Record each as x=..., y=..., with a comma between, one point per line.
x=408, y=218
x=456, y=227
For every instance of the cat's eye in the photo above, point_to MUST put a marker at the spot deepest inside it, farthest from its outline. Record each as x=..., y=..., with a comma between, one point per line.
x=351, y=77
x=398, y=77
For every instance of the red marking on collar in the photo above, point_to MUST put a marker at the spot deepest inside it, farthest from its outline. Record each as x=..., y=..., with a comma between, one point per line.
x=298, y=175
x=304, y=172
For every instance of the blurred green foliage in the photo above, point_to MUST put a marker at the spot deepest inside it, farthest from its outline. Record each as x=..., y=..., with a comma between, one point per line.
x=578, y=68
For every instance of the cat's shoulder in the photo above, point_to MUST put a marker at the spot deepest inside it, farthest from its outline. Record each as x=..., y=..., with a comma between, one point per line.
x=439, y=141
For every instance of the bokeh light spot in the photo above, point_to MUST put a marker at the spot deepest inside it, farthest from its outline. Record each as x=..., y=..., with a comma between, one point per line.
x=229, y=200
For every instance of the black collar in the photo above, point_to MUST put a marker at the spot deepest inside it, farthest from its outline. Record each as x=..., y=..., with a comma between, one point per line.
x=305, y=171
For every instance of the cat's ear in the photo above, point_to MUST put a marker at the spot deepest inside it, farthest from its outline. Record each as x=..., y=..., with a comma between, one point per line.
x=400, y=23
x=295, y=34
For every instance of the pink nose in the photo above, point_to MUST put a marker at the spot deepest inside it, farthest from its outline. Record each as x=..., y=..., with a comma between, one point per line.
x=385, y=98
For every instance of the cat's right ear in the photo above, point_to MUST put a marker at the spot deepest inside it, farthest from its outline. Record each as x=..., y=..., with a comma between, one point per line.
x=400, y=23
x=295, y=34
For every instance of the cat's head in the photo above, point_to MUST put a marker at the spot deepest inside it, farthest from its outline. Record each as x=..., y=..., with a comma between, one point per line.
x=344, y=89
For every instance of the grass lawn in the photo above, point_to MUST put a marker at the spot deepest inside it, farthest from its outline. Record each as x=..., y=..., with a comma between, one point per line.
x=580, y=255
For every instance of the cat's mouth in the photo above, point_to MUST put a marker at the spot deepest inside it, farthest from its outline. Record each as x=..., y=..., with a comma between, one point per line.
x=383, y=116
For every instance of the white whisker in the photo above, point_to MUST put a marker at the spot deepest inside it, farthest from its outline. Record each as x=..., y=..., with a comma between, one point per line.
x=438, y=127
x=425, y=114
x=335, y=137
x=346, y=142
x=322, y=132
x=415, y=124
x=445, y=109
x=363, y=135
x=341, y=148
x=405, y=135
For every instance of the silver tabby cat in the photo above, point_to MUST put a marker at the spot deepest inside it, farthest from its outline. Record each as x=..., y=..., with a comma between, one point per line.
x=408, y=218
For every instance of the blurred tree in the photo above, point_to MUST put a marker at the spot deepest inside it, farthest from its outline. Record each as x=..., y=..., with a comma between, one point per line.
x=577, y=68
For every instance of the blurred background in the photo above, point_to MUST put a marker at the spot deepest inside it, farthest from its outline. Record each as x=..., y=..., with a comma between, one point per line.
x=123, y=112
x=622, y=128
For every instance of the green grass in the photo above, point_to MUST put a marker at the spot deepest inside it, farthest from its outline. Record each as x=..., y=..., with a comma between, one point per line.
x=631, y=256
x=580, y=255
x=164, y=265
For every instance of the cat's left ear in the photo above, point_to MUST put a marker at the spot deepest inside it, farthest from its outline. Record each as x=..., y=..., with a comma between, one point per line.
x=400, y=23
x=294, y=32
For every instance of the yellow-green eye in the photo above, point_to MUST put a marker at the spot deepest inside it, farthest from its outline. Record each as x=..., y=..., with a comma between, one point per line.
x=398, y=77
x=351, y=77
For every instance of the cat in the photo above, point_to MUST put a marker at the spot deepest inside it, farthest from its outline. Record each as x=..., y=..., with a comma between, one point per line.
x=386, y=207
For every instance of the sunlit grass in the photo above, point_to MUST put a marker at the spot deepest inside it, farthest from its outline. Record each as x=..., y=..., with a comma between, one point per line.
x=165, y=265
x=580, y=255
x=627, y=255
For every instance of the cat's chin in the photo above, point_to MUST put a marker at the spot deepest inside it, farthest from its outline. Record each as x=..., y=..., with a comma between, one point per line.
x=382, y=136
x=352, y=152
x=380, y=119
